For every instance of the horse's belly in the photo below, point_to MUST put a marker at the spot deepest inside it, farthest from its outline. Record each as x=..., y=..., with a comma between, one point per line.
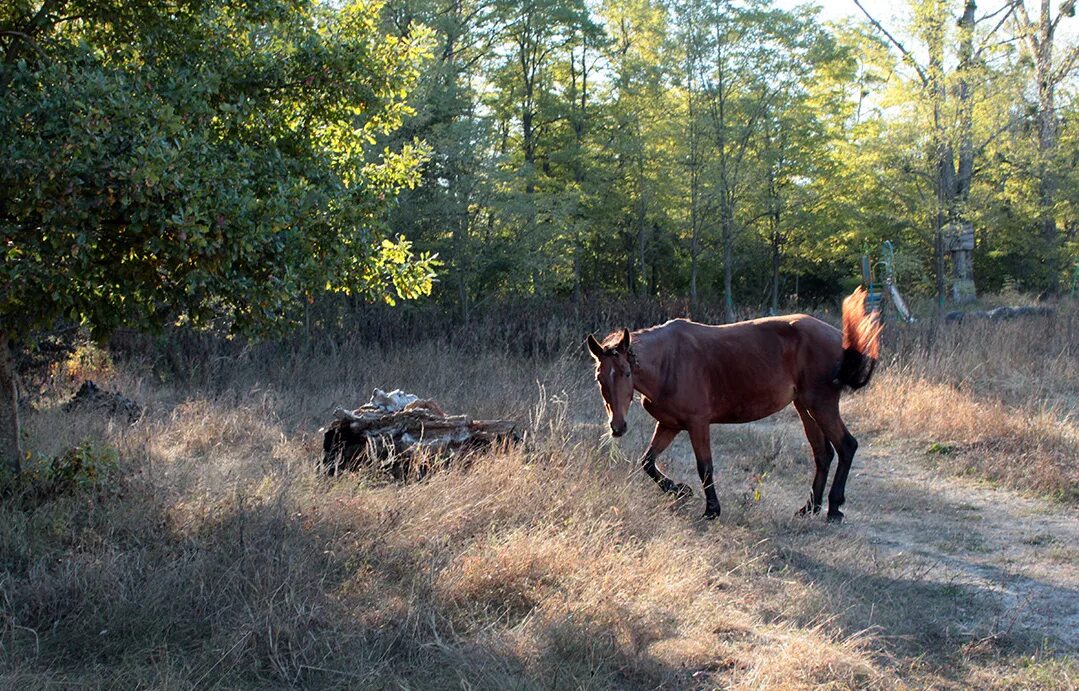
x=731, y=408
x=751, y=408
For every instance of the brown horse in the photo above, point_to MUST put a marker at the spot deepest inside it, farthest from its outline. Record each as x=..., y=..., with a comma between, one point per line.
x=691, y=376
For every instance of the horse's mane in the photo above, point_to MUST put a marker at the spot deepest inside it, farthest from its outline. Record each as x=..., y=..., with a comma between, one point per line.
x=612, y=339
x=669, y=355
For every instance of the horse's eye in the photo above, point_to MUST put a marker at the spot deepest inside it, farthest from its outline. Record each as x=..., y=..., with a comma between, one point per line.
x=628, y=373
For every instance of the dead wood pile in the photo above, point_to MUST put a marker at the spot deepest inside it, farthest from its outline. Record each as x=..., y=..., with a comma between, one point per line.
x=405, y=436
x=90, y=396
x=999, y=313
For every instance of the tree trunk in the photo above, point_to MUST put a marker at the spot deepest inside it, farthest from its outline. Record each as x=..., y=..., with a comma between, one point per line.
x=944, y=164
x=938, y=262
x=460, y=242
x=640, y=228
x=693, y=252
x=577, y=271
x=653, y=283
x=1047, y=187
x=963, y=289
x=1040, y=37
x=775, y=221
x=642, y=265
x=694, y=200
x=10, y=453
x=728, y=265
x=777, y=259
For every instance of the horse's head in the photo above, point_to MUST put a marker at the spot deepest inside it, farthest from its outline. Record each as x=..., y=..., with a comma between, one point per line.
x=614, y=374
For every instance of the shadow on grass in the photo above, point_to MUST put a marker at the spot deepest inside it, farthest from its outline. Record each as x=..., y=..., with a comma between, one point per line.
x=249, y=591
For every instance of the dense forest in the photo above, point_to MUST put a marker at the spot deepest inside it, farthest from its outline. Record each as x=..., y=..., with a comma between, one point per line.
x=738, y=152
x=229, y=164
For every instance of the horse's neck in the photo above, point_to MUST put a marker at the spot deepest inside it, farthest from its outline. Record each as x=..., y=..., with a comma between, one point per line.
x=645, y=374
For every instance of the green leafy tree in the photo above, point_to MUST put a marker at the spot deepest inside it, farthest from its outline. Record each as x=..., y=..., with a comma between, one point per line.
x=445, y=212
x=637, y=144
x=202, y=162
x=1052, y=65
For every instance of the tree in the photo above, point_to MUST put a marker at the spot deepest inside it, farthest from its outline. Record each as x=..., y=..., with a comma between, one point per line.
x=742, y=60
x=635, y=143
x=951, y=99
x=1039, y=36
x=200, y=162
x=443, y=211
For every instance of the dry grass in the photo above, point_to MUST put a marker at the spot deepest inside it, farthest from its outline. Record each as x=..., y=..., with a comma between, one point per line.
x=216, y=557
x=997, y=400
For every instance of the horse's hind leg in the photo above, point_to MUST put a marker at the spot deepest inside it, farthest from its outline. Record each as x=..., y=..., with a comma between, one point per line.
x=845, y=445
x=700, y=437
x=822, y=458
x=661, y=439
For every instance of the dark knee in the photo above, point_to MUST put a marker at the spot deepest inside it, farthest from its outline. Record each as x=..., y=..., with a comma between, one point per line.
x=849, y=445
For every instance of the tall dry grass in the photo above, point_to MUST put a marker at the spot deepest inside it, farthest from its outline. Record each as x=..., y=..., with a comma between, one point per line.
x=998, y=400
x=214, y=556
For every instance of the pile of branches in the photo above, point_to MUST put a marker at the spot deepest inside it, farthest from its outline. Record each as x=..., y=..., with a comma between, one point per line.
x=406, y=436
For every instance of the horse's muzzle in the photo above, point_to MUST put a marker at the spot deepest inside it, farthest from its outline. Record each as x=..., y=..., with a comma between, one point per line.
x=618, y=430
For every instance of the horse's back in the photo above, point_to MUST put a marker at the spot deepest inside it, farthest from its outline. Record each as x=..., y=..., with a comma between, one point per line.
x=754, y=368
x=739, y=372
x=788, y=330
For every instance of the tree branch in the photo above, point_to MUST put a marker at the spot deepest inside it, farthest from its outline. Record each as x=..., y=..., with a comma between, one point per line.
x=1026, y=26
x=27, y=39
x=1066, y=64
x=1010, y=7
x=902, y=49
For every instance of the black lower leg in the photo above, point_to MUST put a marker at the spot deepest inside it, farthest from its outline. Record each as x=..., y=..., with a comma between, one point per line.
x=823, y=461
x=648, y=463
x=837, y=495
x=711, y=501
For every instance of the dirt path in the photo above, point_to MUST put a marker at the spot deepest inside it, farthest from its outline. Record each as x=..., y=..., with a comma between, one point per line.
x=1024, y=550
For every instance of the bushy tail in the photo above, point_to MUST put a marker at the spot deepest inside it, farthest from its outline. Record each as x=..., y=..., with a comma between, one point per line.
x=861, y=341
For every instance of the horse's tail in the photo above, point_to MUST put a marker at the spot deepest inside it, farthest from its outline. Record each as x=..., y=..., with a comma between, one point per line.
x=861, y=341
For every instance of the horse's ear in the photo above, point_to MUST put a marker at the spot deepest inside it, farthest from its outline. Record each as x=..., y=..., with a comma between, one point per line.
x=623, y=345
x=594, y=347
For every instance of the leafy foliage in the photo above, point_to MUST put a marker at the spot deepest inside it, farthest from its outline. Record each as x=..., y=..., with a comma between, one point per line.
x=204, y=161
x=726, y=149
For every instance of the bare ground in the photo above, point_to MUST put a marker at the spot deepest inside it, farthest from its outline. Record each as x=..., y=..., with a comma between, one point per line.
x=1024, y=551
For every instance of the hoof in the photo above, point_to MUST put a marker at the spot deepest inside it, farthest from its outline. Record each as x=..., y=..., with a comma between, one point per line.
x=835, y=516
x=710, y=515
x=682, y=492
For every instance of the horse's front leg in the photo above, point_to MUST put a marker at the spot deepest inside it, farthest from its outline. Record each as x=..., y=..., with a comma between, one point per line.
x=701, y=439
x=661, y=439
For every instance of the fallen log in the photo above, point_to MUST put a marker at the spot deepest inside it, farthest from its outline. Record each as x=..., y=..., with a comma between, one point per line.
x=406, y=436
x=999, y=313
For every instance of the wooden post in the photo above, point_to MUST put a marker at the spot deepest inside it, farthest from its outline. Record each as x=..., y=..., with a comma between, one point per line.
x=960, y=238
